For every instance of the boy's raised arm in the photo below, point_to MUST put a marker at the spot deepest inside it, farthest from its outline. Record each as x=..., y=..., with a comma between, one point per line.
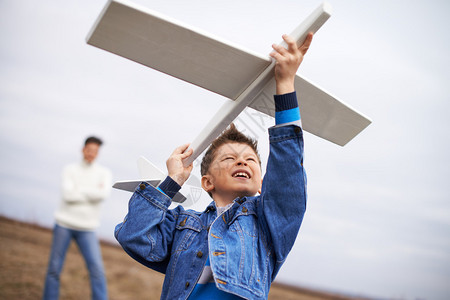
x=146, y=233
x=284, y=186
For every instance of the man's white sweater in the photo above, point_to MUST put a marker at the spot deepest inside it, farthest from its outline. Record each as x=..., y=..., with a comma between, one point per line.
x=84, y=187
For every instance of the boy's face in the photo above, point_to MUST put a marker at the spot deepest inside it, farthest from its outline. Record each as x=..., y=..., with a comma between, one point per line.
x=234, y=172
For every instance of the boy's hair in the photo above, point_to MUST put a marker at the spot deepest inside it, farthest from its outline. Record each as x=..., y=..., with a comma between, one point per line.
x=231, y=135
x=93, y=139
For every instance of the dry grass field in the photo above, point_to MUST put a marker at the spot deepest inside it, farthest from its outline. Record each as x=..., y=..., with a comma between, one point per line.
x=24, y=251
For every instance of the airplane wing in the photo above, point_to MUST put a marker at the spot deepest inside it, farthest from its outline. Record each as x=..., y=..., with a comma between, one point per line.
x=322, y=114
x=197, y=57
x=175, y=48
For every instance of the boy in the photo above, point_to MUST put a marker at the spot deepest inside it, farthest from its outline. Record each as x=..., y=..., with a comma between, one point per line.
x=235, y=248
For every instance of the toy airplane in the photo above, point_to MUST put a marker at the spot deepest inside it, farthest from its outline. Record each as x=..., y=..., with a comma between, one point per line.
x=244, y=77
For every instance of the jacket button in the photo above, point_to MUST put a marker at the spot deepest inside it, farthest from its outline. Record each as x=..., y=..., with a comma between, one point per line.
x=187, y=284
x=297, y=130
x=142, y=186
x=199, y=254
x=244, y=209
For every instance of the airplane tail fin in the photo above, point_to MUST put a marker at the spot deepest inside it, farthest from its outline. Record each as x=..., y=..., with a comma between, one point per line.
x=148, y=173
x=149, y=170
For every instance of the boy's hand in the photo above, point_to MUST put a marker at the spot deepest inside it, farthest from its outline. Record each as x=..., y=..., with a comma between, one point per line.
x=175, y=166
x=288, y=61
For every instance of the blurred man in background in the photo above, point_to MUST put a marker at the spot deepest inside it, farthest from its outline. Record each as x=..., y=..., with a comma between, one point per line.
x=85, y=185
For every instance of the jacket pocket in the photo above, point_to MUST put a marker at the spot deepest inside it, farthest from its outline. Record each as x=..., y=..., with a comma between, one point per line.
x=245, y=220
x=187, y=228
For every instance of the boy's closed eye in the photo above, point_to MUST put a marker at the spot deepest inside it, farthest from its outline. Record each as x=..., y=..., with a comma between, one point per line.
x=228, y=158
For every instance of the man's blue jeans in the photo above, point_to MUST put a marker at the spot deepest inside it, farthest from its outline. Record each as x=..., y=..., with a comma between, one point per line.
x=89, y=247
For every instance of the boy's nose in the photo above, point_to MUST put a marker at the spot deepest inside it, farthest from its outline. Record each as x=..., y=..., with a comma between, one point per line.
x=241, y=162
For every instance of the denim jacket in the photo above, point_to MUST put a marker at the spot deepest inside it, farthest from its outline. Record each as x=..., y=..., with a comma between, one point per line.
x=247, y=244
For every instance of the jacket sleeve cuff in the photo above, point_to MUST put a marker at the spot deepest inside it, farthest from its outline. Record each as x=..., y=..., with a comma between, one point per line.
x=169, y=187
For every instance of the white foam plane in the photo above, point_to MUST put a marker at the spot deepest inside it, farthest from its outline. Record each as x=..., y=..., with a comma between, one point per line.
x=245, y=77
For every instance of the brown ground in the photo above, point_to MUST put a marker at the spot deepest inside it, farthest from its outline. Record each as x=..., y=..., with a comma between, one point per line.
x=24, y=251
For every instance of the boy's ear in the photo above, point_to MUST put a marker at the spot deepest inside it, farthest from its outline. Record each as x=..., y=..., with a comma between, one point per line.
x=207, y=185
x=259, y=190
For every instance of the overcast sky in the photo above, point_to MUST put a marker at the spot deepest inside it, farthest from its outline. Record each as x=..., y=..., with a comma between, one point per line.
x=378, y=219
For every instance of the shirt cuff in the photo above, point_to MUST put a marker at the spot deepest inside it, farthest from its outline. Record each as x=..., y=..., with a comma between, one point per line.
x=169, y=187
x=285, y=101
x=286, y=109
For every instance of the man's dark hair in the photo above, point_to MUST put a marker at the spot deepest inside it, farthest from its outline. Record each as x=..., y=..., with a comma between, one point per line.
x=93, y=139
x=231, y=135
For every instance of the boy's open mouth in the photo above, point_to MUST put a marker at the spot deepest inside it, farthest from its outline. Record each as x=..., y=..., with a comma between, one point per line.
x=241, y=174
